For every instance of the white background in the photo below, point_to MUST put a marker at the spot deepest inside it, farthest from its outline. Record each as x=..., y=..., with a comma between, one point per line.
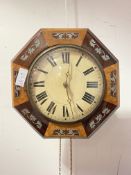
x=22, y=150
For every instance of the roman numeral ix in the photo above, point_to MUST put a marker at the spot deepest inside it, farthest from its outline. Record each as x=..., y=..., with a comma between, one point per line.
x=39, y=84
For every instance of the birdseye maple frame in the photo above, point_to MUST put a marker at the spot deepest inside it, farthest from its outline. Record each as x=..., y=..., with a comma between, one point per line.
x=84, y=38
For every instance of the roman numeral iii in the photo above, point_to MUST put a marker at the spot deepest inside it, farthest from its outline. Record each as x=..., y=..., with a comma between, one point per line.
x=88, y=98
x=66, y=57
x=93, y=84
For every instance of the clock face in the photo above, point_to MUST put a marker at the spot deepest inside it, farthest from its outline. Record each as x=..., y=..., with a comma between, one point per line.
x=65, y=84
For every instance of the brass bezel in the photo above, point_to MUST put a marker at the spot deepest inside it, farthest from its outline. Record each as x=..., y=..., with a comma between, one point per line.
x=28, y=91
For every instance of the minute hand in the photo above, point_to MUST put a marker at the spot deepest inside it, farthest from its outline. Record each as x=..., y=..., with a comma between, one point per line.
x=69, y=78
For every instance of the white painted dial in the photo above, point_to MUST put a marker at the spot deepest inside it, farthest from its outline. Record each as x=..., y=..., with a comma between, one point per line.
x=65, y=84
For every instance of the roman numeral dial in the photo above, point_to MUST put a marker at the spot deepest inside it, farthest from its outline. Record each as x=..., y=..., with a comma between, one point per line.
x=92, y=84
x=65, y=84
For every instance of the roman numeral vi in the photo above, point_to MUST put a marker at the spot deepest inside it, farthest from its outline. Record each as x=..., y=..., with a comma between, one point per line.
x=65, y=112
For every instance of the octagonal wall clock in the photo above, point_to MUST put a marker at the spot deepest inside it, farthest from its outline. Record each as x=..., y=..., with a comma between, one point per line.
x=65, y=82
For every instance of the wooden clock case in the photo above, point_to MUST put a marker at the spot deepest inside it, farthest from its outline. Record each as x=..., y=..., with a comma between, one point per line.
x=46, y=38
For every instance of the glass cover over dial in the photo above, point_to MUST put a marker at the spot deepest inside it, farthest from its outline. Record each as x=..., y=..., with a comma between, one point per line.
x=65, y=83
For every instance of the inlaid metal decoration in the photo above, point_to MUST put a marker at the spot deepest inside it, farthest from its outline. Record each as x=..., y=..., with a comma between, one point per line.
x=65, y=82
